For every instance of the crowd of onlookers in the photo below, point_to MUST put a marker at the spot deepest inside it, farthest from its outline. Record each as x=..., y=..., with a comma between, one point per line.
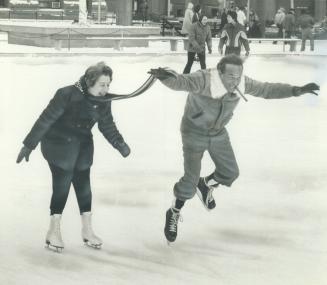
x=288, y=24
x=236, y=27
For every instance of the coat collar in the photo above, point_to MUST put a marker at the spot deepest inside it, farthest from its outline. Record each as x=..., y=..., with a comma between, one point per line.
x=217, y=87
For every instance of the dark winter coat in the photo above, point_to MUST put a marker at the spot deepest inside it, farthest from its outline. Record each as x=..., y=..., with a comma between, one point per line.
x=64, y=128
x=199, y=35
x=289, y=23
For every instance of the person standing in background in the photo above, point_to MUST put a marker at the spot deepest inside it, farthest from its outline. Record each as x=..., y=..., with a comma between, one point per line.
x=289, y=27
x=306, y=23
x=241, y=18
x=144, y=10
x=197, y=13
x=279, y=20
x=188, y=17
x=254, y=25
x=200, y=35
x=223, y=19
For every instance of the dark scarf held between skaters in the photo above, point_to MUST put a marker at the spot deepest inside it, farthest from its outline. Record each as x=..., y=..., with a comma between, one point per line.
x=81, y=85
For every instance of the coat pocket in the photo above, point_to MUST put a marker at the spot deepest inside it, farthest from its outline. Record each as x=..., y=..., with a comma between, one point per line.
x=197, y=114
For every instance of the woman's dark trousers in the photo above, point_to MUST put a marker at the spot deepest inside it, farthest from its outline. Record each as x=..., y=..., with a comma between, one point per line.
x=61, y=182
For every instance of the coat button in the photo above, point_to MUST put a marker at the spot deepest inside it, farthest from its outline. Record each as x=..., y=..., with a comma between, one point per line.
x=95, y=106
x=78, y=125
x=69, y=139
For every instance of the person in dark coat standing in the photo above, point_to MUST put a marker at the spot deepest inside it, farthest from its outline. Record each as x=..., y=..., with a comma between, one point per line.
x=197, y=13
x=223, y=19
x=306, y=23
x=64, y=130
x=199, y=36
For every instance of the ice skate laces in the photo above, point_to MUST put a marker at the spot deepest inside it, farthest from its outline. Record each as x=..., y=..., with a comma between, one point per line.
x=173, y=221
x=212, y=185
x=56, y=231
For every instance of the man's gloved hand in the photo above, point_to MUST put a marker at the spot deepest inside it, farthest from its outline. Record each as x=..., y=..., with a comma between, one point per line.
x=24, y=153
x=210, y=51
x=308, y=88
x=247, y=53
x=160, y=73
x=123, y=148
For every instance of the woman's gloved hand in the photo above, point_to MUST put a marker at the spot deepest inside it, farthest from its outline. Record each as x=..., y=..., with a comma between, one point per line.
x=24, y=153
x=123, y=148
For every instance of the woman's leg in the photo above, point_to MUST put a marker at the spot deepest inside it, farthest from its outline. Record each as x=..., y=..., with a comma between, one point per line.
x=61, y=181
x=82, y=186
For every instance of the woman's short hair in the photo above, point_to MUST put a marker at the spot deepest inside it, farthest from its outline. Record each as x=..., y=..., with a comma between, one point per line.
x=93, y=73
x=197, y=8
x=229, y=59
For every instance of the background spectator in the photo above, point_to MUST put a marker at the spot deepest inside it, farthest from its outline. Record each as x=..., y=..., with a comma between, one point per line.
x=306, y=24
x=254, y=25
x=197, y=13
x=187, y=22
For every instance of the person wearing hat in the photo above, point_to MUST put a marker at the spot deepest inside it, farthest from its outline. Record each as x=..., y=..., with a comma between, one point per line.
x=64, y=130
x=199, y=36
x=233, y=36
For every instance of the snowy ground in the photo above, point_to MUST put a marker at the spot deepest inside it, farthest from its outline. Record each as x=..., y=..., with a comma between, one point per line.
x=269, y=228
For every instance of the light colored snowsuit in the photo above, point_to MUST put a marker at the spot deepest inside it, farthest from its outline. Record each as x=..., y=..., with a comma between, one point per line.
x=208, y=109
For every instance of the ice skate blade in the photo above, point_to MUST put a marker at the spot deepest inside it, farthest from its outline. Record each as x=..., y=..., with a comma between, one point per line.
x=57, y=249
x=198, y=192
x=94, y=246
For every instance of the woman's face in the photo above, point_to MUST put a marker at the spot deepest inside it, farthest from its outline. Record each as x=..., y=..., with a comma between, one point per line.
x=101, y=86
x=230, y=19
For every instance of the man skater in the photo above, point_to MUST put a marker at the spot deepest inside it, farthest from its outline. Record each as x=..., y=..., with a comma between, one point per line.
x=213, y=96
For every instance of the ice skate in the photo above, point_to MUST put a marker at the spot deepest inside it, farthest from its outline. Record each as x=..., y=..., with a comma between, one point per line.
x=204, y=191
x=88, y=236
x=53, y=239
x=172, y=218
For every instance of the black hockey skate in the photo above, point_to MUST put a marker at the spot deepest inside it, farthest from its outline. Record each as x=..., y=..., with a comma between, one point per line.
x=204, y=192
x=172, y=218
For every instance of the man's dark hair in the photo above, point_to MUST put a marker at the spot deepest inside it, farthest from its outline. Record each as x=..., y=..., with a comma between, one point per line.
x=229, y=59
x=93, y=73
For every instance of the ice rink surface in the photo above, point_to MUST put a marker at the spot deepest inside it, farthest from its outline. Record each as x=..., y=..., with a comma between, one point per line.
x=269, y=228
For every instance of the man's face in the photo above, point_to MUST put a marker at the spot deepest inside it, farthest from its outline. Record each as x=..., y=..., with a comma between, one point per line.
x=204, y=21
x=231, y=78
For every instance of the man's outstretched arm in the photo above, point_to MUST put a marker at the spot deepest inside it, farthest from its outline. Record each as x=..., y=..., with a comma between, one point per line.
x=193, y=82
x=277, y=90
